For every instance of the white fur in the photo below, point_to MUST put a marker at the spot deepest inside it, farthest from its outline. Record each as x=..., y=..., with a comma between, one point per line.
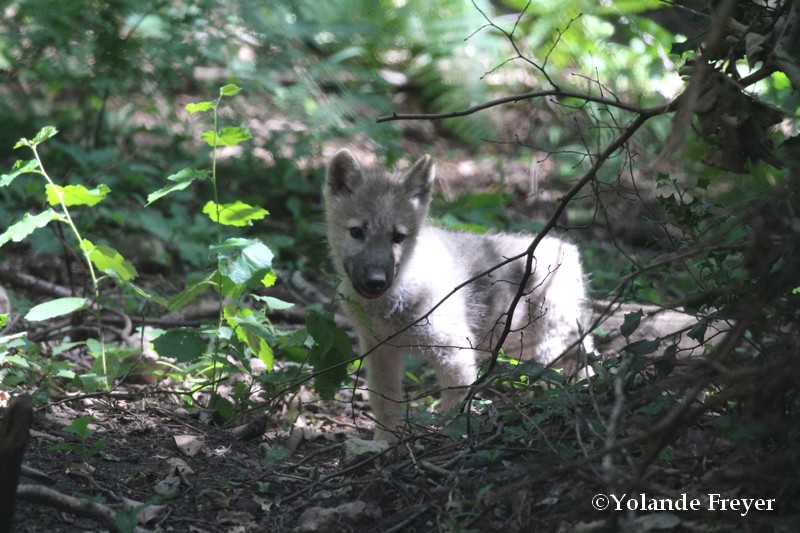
x=397, y=283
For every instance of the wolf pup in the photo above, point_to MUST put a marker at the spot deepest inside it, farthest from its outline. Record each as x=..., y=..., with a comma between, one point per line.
x=396, y=269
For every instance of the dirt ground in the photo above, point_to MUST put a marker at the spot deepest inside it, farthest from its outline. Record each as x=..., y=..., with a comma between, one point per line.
x=497, y=476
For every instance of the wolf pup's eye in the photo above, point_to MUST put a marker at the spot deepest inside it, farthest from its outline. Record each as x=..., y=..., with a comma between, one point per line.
x=398, y=238
x=357, y=233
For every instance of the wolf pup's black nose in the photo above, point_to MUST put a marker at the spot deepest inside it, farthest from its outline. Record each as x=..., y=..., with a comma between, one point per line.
x=376, y=282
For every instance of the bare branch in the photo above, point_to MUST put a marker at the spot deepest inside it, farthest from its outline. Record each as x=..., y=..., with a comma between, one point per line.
x=618, y=143
x=651, y=111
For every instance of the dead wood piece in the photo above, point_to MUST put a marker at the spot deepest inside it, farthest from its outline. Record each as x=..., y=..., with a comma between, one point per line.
x=33, y=283
x=252, y=429
x=13, y=440
x=52, y=498
x=37, y=475
x=657, y=323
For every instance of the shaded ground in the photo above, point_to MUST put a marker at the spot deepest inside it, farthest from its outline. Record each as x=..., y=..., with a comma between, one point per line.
x=503, y=478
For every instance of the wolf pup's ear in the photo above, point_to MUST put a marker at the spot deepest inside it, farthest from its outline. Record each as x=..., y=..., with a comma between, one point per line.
x=419, y=180
x=344, y=173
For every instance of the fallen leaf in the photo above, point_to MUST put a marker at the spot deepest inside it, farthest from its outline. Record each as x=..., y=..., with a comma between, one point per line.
x=168, y=487
x=189, y=445
x=176, y=465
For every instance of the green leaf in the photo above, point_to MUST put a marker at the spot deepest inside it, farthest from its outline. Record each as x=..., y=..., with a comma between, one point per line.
x=255, y=335
x=223, y=406
x=191, y=292
x=234, y=214
x=199, y=107
x=330, y=353
x=627, y=7
x=155, y=298
x=272, y=303
x=698, y=331
x=643, y=347
x=110, y=261
x=183, y=344
x=27, y=225
x=80, y=426
x=269, y=279
x=44, y=134
x=20, y=167
x=666, y=363
x=76, y=194
x=244, y=261
x=656, y=407
x=457, y=428
x=54, y=308
x=680, y=48
x=630, y=323
x=182, y=178
x=229, y=90
x=230, y=136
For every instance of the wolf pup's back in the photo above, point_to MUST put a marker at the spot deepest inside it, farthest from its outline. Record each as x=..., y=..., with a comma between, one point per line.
x=402, y=272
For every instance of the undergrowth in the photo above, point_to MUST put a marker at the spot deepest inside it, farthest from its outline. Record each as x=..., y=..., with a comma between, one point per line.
x=201, y=357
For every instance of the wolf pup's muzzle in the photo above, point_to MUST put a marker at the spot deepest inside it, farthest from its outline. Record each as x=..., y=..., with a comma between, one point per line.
x=370, y=280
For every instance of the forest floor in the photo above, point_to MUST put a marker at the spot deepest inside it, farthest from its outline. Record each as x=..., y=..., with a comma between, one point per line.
x=297, y=477
x=531, y=461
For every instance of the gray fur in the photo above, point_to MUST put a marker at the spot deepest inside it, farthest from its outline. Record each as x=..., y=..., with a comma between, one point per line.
x=396, y=268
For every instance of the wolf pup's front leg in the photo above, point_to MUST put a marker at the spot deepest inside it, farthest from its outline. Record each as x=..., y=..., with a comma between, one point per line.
x=385, y=381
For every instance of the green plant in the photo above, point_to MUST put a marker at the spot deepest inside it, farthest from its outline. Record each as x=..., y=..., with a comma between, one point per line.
x=80, y=427
x=242, y=265
x=207, y=354
x=96, y=258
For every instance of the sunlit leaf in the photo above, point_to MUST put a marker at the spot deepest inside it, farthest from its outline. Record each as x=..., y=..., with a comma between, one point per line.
x=227, y=136
x=229, y=90
x=234, y=214
x=244, y=261
x=255, y=335
x=27, y=225
x=269, y=279
x=110, y=261
x=20, y=167
x=199, y=107
x=181, y=179
x=44, y=134
x=54, y=308
x=272, y=303
x=76, y=194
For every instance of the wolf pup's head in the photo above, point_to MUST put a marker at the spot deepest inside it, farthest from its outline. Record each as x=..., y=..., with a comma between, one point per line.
x=373, y=219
